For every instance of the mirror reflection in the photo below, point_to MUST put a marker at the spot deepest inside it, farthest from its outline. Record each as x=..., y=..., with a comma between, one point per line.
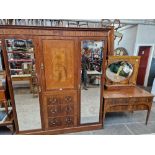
x=119, y=71
x=5, y=102
x=21, y=59
x=91, y=72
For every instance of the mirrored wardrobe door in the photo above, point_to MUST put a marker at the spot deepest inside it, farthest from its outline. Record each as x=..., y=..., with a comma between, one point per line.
x=91, y=77
x=22, y=65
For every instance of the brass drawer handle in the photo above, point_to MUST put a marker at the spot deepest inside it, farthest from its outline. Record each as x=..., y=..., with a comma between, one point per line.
x=68, y=98
x=52, y=100
x=68, y=109
x=53, y=111
x=68, y=120
x=54, y=122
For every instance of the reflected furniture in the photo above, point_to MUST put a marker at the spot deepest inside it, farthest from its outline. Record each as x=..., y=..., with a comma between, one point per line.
x=23, y=77
x=6, y=115
x=3, y=100
x=125, y=96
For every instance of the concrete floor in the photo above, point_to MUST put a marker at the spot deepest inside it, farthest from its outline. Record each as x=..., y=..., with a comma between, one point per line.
x=115, y=123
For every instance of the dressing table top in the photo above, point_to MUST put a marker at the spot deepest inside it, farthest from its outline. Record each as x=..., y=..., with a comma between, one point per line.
x=129, y=92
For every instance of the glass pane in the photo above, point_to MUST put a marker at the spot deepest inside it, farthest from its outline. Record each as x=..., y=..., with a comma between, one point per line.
x=21, y=58
x=5, y=104
x=91, y=72
x=119, y=71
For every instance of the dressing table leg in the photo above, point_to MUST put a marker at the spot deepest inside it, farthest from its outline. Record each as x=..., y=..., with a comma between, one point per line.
x=103, y=118
x=147, y=117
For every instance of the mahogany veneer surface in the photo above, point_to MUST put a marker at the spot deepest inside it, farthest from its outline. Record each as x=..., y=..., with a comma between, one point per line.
x=127, y=99
x=124, y=93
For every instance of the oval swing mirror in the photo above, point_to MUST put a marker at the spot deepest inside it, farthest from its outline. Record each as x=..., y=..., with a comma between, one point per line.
x=119, y=71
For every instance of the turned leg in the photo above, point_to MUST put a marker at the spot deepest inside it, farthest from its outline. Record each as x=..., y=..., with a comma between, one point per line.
x=147, y=117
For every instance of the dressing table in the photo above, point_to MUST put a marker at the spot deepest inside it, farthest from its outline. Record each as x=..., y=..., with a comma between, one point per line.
x=123, y=95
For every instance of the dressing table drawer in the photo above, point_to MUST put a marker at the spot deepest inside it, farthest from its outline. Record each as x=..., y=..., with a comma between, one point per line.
x=140, y=100
x=117, y=101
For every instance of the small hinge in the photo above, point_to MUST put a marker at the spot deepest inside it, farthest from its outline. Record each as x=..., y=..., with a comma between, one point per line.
x=42, y=66
x=79, y=86
x=39, y=89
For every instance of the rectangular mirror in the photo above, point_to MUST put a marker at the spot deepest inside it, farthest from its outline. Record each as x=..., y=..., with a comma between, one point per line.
x=21, y=60
x=91, y=73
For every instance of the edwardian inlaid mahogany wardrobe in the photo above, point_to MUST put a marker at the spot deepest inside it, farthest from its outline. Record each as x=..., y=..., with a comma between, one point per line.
x=55, y=57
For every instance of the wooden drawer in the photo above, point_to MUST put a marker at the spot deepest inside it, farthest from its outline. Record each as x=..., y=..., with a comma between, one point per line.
x=55, y=122
x=118, y=108
x=140, y=100
x=68, y=99
x=68, y=109
x=140, y=107
x=60, y=110
x=117, y=101
x=54, y=111
x=53, y=100
x=65, y=98
x=68, y=121
x=61, y=122
x=129, y=100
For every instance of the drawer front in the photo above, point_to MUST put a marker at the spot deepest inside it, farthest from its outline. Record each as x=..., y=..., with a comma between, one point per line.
x=140, y=107
x=54, y=111
x=56, y=122
x=53, y=100
x=61, y=122
x=118, y=108
x=68, y=99
x=117, y=101
x=129, y=100
x=68, y=109
x=141, y=100
x=60, y=109
x=68, y=121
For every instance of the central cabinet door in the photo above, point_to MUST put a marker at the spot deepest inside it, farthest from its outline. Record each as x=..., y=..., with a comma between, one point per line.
x=59, y=64
x=59, y=79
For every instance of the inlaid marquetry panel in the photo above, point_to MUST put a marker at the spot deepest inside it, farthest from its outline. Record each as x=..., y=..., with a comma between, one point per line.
x=59, y=63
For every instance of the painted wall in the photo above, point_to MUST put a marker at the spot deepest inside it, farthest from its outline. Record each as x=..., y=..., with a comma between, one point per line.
x=140, y=35
x=129, y=39
x=146, y=34
x=146, y=37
